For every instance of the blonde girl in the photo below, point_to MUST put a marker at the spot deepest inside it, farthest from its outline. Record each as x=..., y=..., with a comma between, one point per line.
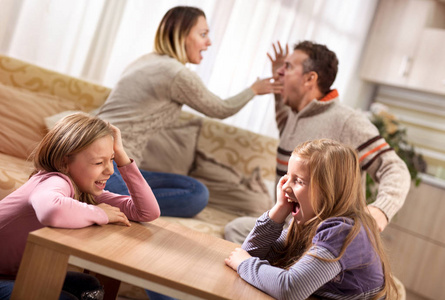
x=72, y=165
x=332, y=248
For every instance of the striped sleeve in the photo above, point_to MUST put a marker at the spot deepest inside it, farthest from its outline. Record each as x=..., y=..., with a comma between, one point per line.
x=281, y=113
x=380, y=161
x=283, y=156
x=299, y=282
x=266, y=239
x=369, y=151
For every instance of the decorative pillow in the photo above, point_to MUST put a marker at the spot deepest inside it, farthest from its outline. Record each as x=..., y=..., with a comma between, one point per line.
x=229, y=190
x=52, y=120
x=238, y=147
x=172, y=149
x=22, y=115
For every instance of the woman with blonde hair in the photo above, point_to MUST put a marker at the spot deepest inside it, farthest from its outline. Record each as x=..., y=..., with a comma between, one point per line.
x=72, y=164
x=149, y=97
x=332, y=248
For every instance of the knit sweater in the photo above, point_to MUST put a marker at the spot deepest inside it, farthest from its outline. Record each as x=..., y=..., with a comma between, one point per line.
x=328, y=118
x=150, y=94
x=46, y=199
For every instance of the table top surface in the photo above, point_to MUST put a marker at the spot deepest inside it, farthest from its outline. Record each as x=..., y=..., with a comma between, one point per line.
x=162, y=252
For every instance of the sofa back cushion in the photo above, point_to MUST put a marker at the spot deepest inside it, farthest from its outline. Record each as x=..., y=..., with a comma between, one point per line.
x=17, y=73
x=22, y=115
x=239, y=148
x=229, y=190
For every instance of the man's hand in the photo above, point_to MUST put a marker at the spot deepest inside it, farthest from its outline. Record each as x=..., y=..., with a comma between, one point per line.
x=379, y=217
x=278, y=60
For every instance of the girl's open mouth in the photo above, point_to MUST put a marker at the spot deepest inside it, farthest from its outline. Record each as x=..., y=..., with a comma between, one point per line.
x=295, y=207
x=100, y=184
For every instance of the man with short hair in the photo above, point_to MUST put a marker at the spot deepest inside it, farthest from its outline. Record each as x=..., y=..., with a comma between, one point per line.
x=309, y=109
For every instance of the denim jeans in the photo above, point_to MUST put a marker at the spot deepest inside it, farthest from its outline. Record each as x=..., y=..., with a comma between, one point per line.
x=77, y=286
x=177, y=195
x=156, y=296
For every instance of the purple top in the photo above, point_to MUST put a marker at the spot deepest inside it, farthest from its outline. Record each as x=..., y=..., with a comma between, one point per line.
x=357, y=275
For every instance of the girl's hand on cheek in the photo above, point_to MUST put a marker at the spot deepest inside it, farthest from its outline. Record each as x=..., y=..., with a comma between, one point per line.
x=114, y=214
x=120, y=156
x=282, y=208
x=236, y=258
x=281, y=199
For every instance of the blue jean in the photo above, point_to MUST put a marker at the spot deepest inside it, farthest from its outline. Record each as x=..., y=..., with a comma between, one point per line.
x=77, y=286
x=156, y=296
x=177, y=195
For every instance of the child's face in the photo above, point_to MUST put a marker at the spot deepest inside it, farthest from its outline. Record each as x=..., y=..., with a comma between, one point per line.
x=297, y=190
x=93, y=166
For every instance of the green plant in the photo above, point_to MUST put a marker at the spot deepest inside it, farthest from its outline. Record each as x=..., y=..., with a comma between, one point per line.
x=391, y=130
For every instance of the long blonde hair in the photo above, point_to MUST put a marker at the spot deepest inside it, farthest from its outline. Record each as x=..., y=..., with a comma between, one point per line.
x=173, y=30
x=336, y=191
x=69, y=136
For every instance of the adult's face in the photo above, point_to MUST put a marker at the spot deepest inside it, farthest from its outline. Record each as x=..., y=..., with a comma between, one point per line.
x=197, y=41
x=295, y=83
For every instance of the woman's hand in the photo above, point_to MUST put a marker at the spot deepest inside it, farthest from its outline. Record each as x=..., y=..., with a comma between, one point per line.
x=114, y=214
x=278, y=61
x=236, y=258
x=282, y=207
x=266, y=86
x=120, y=156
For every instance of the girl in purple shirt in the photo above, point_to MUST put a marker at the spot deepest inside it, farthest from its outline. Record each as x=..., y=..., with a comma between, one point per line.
x=72, y=164
x=332, y=248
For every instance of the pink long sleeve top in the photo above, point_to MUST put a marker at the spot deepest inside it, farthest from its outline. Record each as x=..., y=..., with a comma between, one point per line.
x=46, y=199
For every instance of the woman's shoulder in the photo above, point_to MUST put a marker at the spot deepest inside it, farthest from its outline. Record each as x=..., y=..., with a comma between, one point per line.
x=155, y=62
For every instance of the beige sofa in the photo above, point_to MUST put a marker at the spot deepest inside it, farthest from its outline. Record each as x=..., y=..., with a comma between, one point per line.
x=232, y=162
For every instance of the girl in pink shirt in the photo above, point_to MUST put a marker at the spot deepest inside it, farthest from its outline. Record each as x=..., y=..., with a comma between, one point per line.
x=72, y=165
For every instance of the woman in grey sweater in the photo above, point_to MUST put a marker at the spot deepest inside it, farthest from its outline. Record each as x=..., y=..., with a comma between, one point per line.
x=150, y=94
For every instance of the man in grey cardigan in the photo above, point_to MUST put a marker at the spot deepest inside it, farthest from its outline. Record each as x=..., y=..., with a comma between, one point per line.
x=309, y=109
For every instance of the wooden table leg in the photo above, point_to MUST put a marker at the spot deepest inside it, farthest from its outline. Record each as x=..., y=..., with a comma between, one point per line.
x=41, y=274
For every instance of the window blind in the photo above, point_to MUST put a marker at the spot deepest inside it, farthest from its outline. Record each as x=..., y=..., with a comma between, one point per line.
x=423, y=116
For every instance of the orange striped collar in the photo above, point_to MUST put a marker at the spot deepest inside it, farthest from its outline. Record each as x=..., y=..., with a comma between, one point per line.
x=329, y=96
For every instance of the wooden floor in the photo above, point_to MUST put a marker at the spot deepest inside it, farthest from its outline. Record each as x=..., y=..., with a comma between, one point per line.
x=412, y=296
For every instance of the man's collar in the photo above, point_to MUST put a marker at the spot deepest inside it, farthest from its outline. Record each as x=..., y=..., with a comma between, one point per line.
x=329, y=96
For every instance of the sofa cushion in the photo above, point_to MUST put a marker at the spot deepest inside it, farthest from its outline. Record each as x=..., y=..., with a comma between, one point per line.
x=229, y=190
x=242, y=149
x=22, y=115
x=172, y=149
x=14, y=172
